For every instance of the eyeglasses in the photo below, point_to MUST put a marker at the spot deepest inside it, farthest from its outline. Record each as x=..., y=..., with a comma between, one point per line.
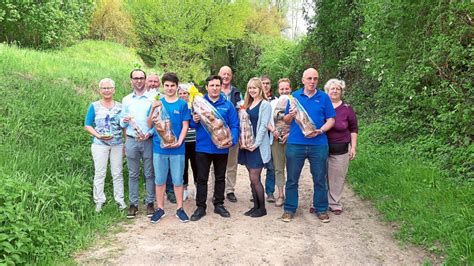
x=140, y=78
x=107, y=88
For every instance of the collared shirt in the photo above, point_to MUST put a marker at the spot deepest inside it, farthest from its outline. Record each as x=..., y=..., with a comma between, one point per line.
x=319, y=109
x=137, y=107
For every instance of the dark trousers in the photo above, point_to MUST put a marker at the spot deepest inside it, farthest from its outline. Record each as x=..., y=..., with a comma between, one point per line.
x=189, y=156
x=220, y=163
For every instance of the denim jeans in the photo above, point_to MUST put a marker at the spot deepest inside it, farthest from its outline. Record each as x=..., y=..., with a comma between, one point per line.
x=295, y=157
x=136, y=151
x=165, y=165
x=270, y=179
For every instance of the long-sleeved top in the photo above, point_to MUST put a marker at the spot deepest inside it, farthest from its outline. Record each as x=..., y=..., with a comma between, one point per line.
x=227, y=110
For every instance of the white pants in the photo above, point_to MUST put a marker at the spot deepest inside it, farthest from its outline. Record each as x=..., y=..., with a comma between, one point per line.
x=100, y=155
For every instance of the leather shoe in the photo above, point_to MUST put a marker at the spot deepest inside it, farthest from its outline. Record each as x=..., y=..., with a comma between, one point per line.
x=198, y=214
x=247, y=213
x=231, y=197
x=222, y=211
x=258, y=213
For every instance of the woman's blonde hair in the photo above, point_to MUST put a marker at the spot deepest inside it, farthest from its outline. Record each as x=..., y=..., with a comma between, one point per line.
x=257, y=83
x=338, y=82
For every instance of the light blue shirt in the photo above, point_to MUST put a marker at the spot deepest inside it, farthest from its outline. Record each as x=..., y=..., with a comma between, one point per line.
x=137, y=107
x=106, y=122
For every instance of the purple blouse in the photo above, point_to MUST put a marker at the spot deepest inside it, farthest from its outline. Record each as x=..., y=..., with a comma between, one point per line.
x=346, y=123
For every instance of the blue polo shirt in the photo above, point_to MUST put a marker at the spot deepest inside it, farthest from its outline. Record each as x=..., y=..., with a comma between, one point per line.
x=319, y=108
x=178, y=112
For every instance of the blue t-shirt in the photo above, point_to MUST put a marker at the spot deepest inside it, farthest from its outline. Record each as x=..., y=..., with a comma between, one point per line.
x=106, y=122
x=178, y=112
x=319, y=108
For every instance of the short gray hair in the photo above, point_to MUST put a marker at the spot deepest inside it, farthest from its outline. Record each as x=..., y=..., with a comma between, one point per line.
x=338, y=82
x=102, y=81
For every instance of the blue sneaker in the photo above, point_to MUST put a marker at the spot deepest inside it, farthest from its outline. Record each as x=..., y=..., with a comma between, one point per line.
x=182, y=216
x=156, y=217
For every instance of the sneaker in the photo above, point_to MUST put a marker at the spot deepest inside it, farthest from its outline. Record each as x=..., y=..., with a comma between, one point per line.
x=171, y=197
x=121, y=205
x=270, y=198
x=157, y=215
x=132, y=212
x=231, y=197
x=98, y=207
x=185, y=195
x=182, y=216
x=323, y=217
x=287, y=217
x=279, y=201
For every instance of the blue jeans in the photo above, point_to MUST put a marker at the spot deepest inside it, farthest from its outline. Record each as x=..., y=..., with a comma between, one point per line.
x=166, y=165
x=317, y=156
x=270, y=179
x=136, y=151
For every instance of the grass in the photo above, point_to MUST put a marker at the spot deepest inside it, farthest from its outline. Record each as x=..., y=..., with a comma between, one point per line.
x=46, y=207
x=432, y=210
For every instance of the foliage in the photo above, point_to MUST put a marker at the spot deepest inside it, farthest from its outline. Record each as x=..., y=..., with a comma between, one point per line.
x=409, y=68
x=179, y=38
x=46, y=208
x=111, y=22
x=430, y=210
x=44, y=24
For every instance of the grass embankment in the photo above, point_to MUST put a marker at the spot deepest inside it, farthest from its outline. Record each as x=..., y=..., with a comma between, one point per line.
x=432, y=210
x=46, y=207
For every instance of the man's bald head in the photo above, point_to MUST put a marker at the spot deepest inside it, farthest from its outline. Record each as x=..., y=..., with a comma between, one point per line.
x=310, y=79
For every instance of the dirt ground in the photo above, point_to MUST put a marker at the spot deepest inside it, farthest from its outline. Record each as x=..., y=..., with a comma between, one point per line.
x=356, y=237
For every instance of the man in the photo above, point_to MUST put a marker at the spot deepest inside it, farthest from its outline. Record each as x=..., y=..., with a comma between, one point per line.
x=270, y=179
x=207, y=152
x=168, y=155
x=233, y=95
x=153, y=84
x=314, y=147
x=138, y=145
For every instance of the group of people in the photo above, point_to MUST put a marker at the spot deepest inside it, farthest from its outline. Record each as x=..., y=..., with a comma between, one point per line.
x=132, y=128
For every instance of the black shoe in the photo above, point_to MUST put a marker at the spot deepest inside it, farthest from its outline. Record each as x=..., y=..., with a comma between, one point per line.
x=132, y=212
x=198, y=214
x=259, y=213
x=247, y=213
x=221, y=210
x=231, y=197
x=150, y=209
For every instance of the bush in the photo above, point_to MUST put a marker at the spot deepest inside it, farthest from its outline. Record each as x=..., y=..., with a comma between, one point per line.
x=45, y=25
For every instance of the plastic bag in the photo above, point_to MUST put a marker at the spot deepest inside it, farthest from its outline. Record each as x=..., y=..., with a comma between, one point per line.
x=162, y=122
x=138, y=132
x=246, y=136
x=212, y=122
x=302, y=118
x=280, y=125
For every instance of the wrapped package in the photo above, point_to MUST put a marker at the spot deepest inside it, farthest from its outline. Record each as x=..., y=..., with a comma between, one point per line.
x=280, y=125
x=162, y=122
x=212, y=122
x=246, y=136
x=138, y=132
x=302, y=118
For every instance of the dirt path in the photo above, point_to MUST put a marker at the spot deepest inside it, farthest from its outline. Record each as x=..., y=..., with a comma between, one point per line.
x=353, y=238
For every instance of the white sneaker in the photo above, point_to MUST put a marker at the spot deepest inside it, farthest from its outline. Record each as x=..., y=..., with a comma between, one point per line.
x=185, y=194
x=122, y=205
x=98, y=207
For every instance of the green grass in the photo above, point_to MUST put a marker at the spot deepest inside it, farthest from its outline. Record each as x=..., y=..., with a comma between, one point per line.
x=46, y=207
x=432, y=210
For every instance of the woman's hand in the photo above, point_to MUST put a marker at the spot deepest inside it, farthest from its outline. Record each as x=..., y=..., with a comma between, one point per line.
x=104, y=137
x=251, y=148
x=352, y=154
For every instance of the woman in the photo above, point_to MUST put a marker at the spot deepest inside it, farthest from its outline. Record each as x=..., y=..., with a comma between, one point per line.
x=102, y=122
x=280, y=131
x=342, y=139
x=190, y=143
x=258, y=154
